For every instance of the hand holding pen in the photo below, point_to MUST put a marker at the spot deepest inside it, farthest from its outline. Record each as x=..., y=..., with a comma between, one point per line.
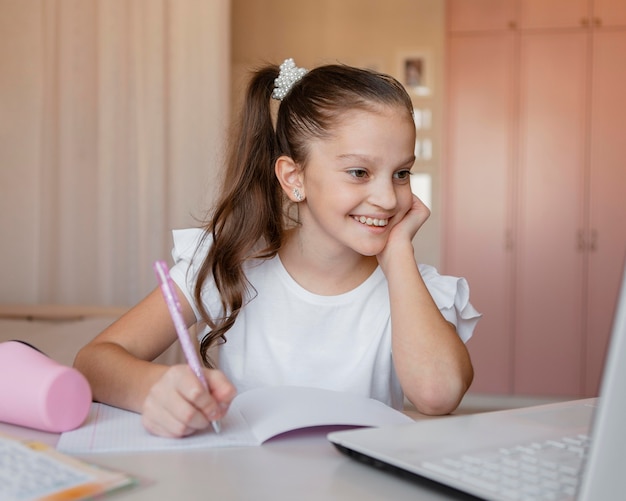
x=174, y=307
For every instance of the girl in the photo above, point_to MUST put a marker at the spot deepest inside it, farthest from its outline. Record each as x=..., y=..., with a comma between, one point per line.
x=306, y=267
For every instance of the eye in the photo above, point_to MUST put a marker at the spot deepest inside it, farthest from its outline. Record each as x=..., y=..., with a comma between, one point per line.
x=358, y=173
x=402, y=175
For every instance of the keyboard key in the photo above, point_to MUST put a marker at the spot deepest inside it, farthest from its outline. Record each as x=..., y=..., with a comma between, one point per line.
x=538, y=470
x=442, y=469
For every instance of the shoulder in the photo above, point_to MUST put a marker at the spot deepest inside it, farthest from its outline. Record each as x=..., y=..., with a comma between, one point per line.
x=452, y=296
x=443, y=288
x=188, y=242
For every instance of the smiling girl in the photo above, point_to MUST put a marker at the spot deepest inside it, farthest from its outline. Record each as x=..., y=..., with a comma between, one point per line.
x=306, y=266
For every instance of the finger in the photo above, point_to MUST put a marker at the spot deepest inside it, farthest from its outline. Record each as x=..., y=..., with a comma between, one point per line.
x=178, y=404
x=160, y=421
x=171, y=430
x=214, y=404
x=220, y=387
x=198, y=407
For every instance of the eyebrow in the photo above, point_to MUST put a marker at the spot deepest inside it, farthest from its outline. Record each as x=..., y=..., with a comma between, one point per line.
x=367, y=158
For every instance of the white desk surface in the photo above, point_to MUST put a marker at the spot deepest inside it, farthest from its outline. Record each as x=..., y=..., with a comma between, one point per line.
x=298, y=466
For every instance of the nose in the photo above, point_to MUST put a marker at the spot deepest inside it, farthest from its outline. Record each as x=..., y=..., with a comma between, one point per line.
x=384, y=195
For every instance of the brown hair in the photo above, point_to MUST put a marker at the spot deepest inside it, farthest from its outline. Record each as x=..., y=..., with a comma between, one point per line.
x=250, y=219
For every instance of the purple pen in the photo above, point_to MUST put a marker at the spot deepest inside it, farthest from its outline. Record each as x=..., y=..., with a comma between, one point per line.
x=173, y=305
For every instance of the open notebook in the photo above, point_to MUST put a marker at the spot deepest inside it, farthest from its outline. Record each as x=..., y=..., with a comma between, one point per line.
x=570, y=450
x=254, y=417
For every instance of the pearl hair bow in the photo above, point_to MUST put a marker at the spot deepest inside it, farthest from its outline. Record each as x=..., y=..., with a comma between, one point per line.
x=289, y=74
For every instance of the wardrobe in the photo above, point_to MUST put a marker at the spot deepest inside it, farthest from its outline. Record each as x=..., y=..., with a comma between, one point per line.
x=534, y=185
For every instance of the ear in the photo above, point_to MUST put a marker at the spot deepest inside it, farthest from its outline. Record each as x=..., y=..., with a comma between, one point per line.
x=289, y=175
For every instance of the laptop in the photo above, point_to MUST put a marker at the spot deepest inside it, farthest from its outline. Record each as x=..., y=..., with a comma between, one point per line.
x=516, y=454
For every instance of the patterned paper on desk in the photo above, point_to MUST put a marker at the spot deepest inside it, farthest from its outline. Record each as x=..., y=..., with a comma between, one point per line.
x=32, y=471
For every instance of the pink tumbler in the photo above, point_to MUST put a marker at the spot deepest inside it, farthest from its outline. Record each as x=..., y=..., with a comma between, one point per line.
x=38, y=392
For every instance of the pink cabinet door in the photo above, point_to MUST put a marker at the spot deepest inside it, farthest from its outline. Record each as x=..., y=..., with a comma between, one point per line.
x=609, y=13
x=477, y=199
x=536, y=14
x=606, y=238
x=549, y=280
x=481, y=15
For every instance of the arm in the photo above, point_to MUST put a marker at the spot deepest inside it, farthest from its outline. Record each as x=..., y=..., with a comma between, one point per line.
x=431, y=361
x=117, y=364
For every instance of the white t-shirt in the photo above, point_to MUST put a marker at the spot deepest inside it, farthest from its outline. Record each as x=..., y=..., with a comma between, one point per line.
x=286, y=335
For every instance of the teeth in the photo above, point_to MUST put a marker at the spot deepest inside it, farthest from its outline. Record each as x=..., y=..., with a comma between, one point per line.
x=372, y=221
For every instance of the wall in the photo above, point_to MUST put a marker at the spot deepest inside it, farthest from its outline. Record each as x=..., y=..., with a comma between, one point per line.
x=369, y=33
x=20, y=111
x=112, y=111
x=112, y=114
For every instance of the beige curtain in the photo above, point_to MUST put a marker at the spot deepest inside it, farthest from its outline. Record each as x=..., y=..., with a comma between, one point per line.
x=112, y=118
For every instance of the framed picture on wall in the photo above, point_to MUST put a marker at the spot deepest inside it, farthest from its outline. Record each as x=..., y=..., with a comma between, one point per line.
x=415, y=72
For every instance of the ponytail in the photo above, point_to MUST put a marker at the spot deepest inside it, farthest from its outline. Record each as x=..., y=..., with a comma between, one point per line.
x=247, y=213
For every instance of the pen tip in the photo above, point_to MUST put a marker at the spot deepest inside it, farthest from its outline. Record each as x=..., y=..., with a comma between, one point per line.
x=217, y=427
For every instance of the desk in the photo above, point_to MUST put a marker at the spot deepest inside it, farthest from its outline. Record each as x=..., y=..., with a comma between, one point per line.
x=298, y=466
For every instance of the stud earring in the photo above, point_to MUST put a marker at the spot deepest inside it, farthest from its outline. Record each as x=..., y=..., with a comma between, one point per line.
x=297, y=195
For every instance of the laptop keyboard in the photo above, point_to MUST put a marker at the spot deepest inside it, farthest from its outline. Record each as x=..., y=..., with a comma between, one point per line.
x=547, y=470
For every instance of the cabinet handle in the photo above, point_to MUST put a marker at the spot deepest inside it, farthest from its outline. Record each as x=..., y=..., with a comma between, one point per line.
x=512, y=25
x=584, y=22
x=597, y=21
x=593, y=241
x=584, y=245
x=508, y=240
x=581, y=241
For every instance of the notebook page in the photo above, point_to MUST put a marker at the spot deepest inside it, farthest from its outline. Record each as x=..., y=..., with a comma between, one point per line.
x=253, y=417
x=273, y=410
x=109, y=429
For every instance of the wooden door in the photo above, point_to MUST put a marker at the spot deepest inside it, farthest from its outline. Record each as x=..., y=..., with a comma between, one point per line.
x=606, y=238
x=541, y=14
x=481, y=15
x=549, y=279
x=478, y=200
x=609, y=13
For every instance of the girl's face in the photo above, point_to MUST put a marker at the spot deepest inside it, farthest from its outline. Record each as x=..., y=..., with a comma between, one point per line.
x=357, y=182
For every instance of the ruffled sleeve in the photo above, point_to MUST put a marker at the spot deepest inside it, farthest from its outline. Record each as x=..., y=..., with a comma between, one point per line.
x=188, y=253
x=451, y=294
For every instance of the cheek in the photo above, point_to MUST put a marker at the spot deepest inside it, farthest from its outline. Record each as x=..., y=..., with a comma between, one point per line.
x=405, y=198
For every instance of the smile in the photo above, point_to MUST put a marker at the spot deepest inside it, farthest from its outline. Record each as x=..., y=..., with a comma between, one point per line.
x=369, y=221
